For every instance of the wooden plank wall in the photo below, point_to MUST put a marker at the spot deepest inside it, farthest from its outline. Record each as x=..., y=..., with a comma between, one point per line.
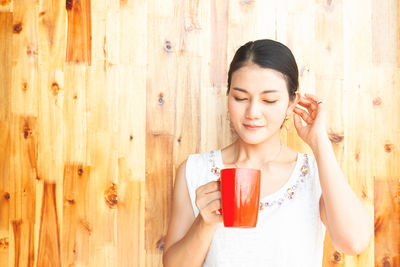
x=100, y=101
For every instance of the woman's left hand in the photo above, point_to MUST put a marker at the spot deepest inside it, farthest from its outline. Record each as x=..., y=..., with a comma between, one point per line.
x=314, y=117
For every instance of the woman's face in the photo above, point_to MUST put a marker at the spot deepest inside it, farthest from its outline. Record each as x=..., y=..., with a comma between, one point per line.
x=258, y=102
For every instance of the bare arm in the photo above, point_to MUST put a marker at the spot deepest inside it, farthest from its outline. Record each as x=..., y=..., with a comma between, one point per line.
x=188, y=238
x=348, y=221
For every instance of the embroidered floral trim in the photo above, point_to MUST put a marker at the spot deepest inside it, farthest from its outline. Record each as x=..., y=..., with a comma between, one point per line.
x=214, y=169
x=287, y=195
x=290, y=192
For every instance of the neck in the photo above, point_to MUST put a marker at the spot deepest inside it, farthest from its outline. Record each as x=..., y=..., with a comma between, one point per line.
x=257, y=154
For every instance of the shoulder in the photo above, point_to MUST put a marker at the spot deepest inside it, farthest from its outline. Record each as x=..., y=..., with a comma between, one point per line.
x=199, y=166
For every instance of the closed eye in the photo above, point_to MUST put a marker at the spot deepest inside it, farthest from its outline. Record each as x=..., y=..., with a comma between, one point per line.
x=242, y=99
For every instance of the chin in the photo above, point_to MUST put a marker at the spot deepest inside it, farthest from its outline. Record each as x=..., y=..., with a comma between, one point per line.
x=252, y=139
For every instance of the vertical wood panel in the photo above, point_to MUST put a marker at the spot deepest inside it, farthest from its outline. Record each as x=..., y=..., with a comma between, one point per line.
x=102, y=100
x=162, y=53
x=49, y=248
x=79, y=33
x=22, y=173
x=6, y=19
x=387, y=221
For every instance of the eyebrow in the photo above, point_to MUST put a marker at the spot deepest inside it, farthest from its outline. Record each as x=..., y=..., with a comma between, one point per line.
x=263, y=92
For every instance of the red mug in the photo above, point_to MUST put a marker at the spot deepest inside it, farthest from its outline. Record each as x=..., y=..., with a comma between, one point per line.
x=240, y=196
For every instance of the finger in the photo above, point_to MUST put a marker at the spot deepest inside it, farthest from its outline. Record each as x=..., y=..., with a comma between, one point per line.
x=306, y=117
x=314, y=98
x=207, y=188
x=204, y=200
x=214, y=205
x=311, y=106
x=213, y=196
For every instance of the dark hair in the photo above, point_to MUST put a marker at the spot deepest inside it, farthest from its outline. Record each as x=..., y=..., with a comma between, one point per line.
x=271, y=54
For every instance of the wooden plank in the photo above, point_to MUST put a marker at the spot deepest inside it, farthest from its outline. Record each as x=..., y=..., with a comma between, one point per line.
x=159, y=174
x=75, y=113
x=77, y=226
x=387, y=221
x=5, y=147
x=25, y=59
x=385, y=32
x=215, y=130
x=49, y=247
x=162, y=50
x=130, y=218
x=6, y=20
x=103, y=195
x=22, y=189
x=79, y=32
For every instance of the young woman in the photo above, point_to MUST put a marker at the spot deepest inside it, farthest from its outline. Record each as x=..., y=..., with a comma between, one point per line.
x=301, y=195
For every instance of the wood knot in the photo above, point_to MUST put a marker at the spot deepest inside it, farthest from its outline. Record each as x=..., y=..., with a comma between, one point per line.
x=24, y=86
x=4, y=242
x=75, y=97
x=168, y=46
x=31, y=52
x=41, y=14
x=55, y=88
x=131, y=137
x=71, y=201
x=80, y=171
x=364, y=195
x=160, y=243
x=111, y=197
x=17, y=28
x=68, y=5
x=161, y=98
x=389, y=148
x=387, y=261
x=378, y=223
x=335, y=138
x=377, y=101
x=7, y=195
x=337, y=257
x=179, y=139
x=27, y=131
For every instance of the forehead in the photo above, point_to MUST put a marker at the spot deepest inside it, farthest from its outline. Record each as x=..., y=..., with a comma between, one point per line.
x=255, y=79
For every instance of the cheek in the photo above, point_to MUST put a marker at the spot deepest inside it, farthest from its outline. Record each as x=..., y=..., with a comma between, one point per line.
x=234, y=109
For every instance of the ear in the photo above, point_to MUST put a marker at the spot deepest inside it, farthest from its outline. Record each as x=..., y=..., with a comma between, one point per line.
x=292, y=104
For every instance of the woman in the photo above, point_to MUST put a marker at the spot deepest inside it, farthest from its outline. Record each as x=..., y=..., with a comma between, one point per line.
x=301, y=195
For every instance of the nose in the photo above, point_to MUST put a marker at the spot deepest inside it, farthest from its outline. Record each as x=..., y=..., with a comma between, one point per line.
x=253, y=110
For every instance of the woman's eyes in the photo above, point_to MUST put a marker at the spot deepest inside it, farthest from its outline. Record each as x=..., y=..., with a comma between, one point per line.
x=242, y=99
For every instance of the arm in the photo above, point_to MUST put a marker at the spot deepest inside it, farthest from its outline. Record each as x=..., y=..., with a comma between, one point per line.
x=348, y=221
x=188, y=238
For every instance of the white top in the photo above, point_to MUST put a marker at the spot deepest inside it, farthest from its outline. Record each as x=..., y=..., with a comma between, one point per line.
x=289, y=230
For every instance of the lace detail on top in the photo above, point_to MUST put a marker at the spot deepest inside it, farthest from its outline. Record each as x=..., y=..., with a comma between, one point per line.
x=288, y=194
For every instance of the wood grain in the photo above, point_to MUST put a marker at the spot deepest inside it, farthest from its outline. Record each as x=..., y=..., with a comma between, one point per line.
x=100, y=101
x=387, y=222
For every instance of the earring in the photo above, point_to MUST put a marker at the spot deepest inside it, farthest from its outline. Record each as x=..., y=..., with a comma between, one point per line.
x=286, y=119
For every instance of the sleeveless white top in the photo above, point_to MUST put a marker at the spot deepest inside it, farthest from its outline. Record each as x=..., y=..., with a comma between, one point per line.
x=289, y=230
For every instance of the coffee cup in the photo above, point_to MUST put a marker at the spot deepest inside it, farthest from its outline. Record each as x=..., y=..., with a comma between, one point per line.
x=240, y=196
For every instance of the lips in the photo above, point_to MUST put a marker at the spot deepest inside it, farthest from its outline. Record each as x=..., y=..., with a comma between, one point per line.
x=252, y=126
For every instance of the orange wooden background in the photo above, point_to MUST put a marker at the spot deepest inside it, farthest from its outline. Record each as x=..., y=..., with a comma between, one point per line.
x=101, y=100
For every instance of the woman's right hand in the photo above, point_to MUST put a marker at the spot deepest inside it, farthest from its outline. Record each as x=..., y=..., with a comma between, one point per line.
x=208, y=201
